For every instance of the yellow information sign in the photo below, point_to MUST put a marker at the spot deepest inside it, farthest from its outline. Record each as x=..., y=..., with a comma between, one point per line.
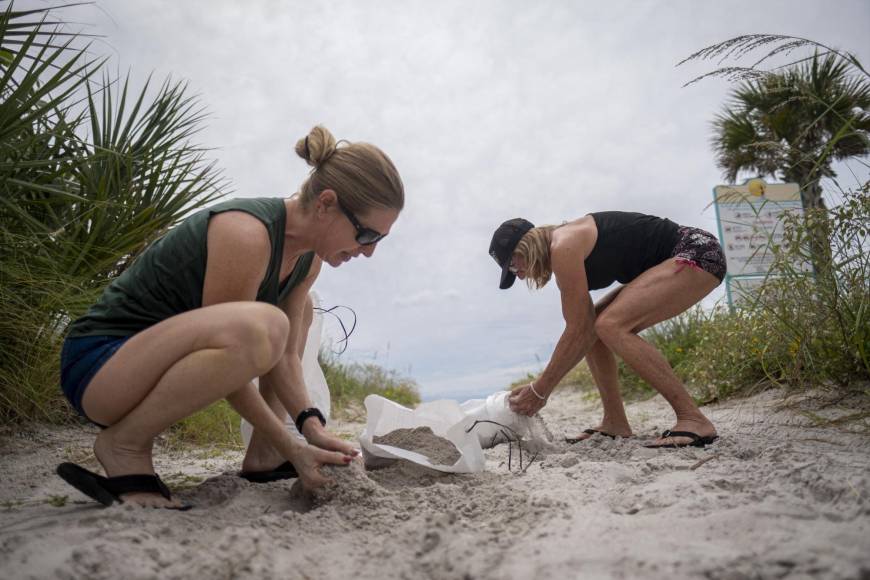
x=750, y=223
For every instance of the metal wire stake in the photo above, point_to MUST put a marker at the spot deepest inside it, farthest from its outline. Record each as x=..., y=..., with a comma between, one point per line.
x=511, y=437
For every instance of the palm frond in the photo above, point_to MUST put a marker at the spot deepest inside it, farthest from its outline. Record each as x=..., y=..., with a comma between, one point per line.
x=90, y=173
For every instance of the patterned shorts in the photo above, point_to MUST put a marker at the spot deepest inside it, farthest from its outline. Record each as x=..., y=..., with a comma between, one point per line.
x=700, y=250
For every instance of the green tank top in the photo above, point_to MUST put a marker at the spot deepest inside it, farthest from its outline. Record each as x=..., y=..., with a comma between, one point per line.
x=167, y=278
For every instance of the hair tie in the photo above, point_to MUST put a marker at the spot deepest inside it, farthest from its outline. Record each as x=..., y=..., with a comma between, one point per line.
x=307, y=150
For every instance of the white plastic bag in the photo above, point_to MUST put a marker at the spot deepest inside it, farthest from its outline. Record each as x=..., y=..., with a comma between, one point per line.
x=445, y=418
x=315, y=382
x=494, y=414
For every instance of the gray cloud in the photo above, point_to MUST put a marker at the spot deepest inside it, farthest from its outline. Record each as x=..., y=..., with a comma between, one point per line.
x=491, y=110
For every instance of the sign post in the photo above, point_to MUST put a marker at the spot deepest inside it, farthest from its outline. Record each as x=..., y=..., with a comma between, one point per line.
x=749, y=217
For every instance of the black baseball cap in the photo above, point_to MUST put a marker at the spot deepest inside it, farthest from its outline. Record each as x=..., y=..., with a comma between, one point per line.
x=504, y=242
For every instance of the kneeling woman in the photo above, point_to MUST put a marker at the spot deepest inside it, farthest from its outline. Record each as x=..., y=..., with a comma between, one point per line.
x=665, y=270
x=219, y=300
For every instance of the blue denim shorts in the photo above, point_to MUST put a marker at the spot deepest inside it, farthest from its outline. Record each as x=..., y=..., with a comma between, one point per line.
x=80, y=360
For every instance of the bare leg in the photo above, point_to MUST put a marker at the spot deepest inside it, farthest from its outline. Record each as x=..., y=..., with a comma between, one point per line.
x=261, y=455
x=658, y=294
x=173, y=369
x=602, y=364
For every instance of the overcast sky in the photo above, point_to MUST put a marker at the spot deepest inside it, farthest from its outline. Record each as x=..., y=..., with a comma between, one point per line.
x=490, y=110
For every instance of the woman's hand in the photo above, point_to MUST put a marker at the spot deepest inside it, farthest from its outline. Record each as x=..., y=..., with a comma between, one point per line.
x=318, y=436
x=309, y=459
x=525, y=402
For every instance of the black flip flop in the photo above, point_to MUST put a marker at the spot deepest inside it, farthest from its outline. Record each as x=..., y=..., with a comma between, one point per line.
x=573, y=440
x=697, y=440
x=108, y=490
x=283, y=471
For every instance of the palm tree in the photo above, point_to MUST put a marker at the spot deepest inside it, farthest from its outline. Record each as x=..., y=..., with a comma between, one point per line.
x=89, y=174
x=792, y=122
x=792, y=125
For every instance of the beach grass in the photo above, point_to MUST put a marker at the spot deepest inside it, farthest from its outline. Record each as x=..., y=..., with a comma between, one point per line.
x=350, y=383
x=218, y=425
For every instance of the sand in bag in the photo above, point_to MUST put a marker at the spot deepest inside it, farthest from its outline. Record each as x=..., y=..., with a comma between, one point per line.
x=422, y=440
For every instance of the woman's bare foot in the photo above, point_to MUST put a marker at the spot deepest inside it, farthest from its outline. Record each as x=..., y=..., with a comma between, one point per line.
x=699, y=425
x=120, y=459
x=605, y=428
x=261, y=456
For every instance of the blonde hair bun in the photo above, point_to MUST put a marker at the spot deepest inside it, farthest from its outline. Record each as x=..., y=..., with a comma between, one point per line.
x=359, y=173
x=316, y=147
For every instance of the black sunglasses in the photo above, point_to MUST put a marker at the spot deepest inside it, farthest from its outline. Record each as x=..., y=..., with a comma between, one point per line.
x=364, y=236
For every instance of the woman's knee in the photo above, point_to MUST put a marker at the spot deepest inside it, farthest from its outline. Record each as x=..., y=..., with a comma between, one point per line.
x=259, y=333
x=608, y=329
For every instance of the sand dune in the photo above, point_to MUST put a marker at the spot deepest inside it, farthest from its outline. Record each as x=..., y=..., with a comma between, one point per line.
x=776, y=498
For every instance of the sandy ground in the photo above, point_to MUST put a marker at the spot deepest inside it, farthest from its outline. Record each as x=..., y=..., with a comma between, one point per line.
x=777, y=498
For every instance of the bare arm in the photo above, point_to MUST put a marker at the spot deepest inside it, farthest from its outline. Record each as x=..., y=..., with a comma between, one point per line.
x=566, y=260
x=286, y=377
x=238, y=257
x=579, y=333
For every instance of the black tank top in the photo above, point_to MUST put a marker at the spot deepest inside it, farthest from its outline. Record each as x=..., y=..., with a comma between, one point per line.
x=628, y=244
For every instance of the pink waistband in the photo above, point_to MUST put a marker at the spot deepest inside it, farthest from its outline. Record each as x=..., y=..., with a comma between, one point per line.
x=683, y=262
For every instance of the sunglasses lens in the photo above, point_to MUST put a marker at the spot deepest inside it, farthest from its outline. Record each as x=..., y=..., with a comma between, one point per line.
x=368, y=237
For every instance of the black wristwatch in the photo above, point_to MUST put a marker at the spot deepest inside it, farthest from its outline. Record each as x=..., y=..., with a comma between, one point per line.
x=308, y=413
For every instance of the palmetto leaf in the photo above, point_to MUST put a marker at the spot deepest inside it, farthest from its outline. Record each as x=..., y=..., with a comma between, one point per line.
x=89, y=174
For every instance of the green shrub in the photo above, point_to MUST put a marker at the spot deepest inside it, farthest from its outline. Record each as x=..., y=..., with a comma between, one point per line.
x=800, y=330
x=216, y=425
x=728, y=357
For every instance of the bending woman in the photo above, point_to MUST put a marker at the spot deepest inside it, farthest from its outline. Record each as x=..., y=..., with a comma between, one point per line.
x=219, y=300
x=665, y=270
